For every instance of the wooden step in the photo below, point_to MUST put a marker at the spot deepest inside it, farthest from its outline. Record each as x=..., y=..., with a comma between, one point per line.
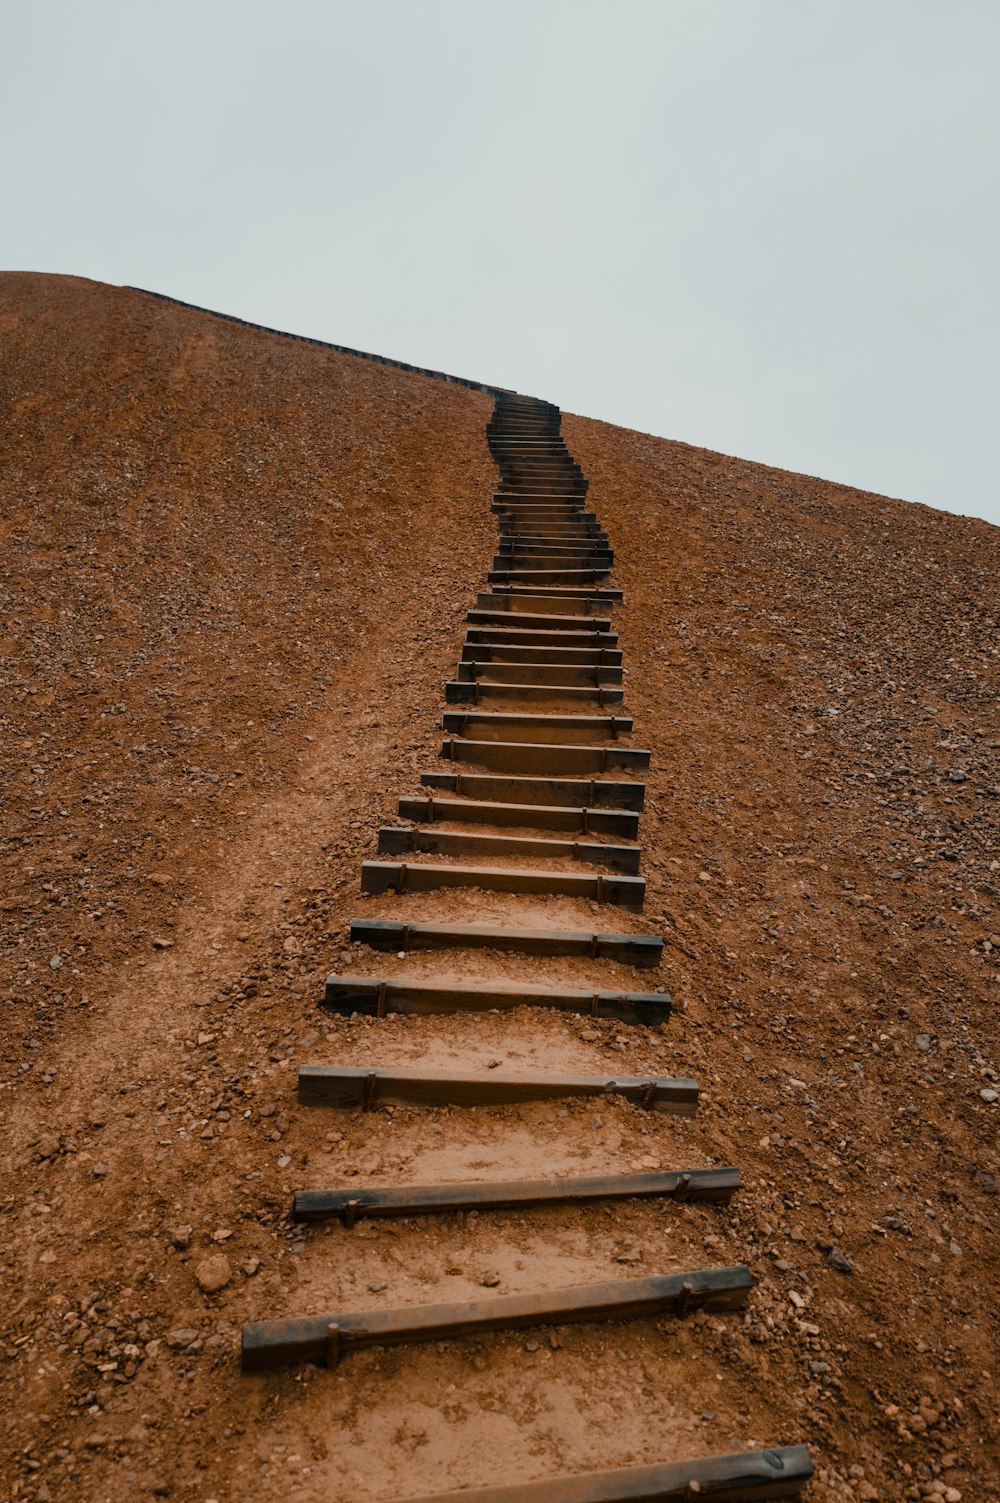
x=522, y=636
x=375, y=998
x=641, y=950
x=325, y=1339
x=348, y=1086
x=582, y=675
x=475, y=691
x=396, y=841
x=596, y=560
x=539, y=620
x=609, y=593
x=494, y=725
x=515, y=652
x=552, y=550
x=607, y=822
x=357, y=1202
x=590, y=793
x=403, y=876
x=546, y=576
x=519, y=606
x=533, y=759
x=733, y=1477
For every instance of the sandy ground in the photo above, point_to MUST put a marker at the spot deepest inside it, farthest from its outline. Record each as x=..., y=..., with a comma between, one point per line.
x=235, y=572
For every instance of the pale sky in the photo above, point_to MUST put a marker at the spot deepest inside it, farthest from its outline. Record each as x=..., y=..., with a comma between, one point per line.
x=769, y=227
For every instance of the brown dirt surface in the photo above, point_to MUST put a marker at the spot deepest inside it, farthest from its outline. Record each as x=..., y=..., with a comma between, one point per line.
x=235, y=570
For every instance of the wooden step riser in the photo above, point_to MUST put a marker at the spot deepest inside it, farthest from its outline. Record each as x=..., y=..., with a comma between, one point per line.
x=537, y=620
x=581, y=555
x=391, y=876
x=457, y=692
x=515, y=635
x=515, y=606
x=528, y=725
x=639, y=950
x=472, y=846
x=357, y=1202
x=730, y=1477
x=509, y=652
x=547, y=576
x=348, y=1087
x=324, y=1339
x=377, y=998
x=592, y=793
x=526, y=759
x=539, y=673
x=500, y=725
x=611, y=823
x=610, y=593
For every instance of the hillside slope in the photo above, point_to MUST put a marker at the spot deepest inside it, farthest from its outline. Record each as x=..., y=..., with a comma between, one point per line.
x=235, y=570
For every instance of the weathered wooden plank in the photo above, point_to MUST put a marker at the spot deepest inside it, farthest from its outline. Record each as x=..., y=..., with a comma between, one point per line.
x=592, y=792
x=640, y=950
x=401, y=876
x=530, y=758
x=546, y=576
x=348, y=1086
x=515, y=652
x=399, y=841
x=522, y=636
x=623, y=824
x=610, y=593
x=550, y=605
x=738, y=1477
x=323, y=1339
x=475, y=691
x=539, y=620
x=378, y=996
x=583, y=675
x=501, y=725
x=352, y=1203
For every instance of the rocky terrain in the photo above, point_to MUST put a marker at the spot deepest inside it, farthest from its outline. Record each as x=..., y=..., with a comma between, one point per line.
x=235, y=570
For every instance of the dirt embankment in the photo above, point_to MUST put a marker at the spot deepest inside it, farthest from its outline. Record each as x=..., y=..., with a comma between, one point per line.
x=235, y=571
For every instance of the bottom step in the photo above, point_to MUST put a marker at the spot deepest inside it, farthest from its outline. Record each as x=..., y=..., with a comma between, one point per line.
x=737, y=1477
x=387, y=934
x=325, y=1338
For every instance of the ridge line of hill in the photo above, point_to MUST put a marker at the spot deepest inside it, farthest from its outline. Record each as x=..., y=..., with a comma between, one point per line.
x=326, y=344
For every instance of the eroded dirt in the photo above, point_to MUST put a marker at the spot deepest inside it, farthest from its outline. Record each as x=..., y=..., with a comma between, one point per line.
x=236, y=570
